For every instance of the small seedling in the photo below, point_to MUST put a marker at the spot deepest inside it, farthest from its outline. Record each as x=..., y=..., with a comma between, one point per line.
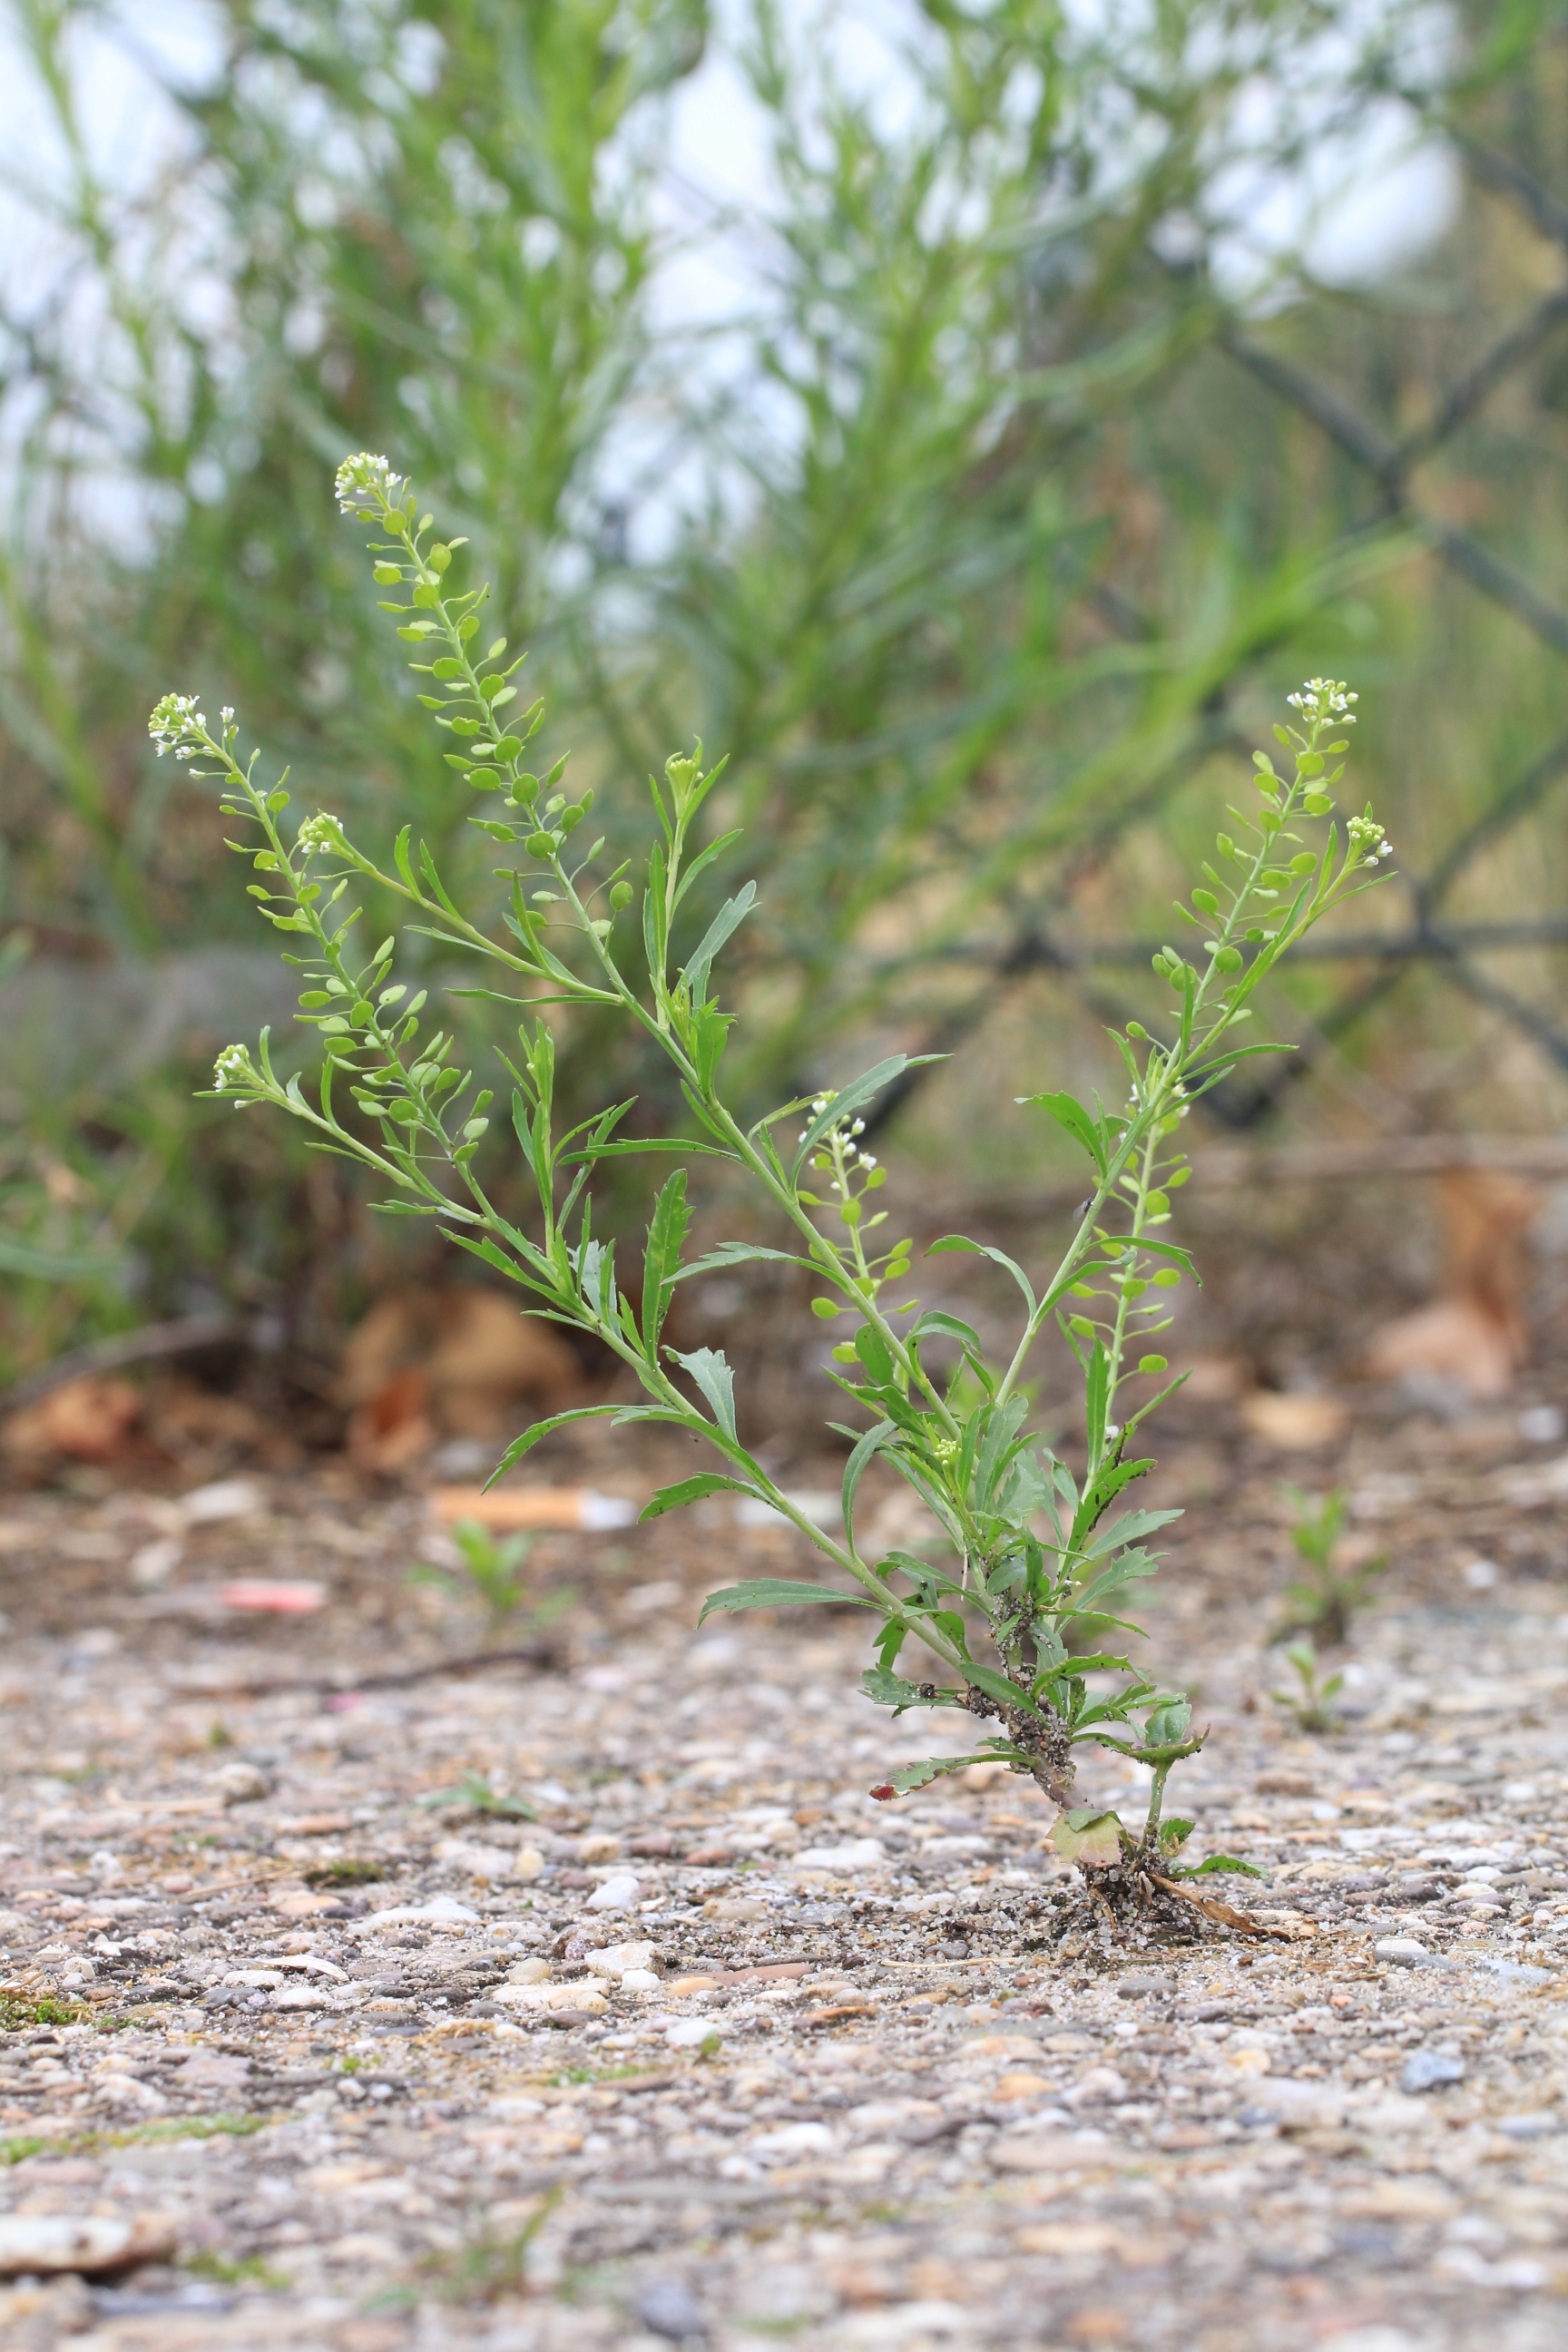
x=1033, y=1546
x=494, y=1574
x=1323, y=1603
x=1313, y=1704
x=490, y=2267
x=473, y=1794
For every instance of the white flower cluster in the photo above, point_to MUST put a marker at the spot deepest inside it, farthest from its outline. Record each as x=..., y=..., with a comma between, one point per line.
x=1325, y=698
x=844, y=1133
x=176, y=725
x=366, y=478
x=321, y=833
x=232, y=1067
x=1368, y=842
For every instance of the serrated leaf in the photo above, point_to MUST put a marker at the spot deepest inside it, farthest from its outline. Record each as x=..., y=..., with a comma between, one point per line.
x=690, y=1490
x=886, y=1689
x=530, y=1437
x=778, y=1592
x=933, y=1768
x=709, y=1369
x=666, y=1233
x=1219, y=1862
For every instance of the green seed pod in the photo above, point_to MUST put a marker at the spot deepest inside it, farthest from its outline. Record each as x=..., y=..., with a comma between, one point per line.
x=621, y=896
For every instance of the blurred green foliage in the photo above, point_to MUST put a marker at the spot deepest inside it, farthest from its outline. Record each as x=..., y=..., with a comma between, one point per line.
x=961, y=532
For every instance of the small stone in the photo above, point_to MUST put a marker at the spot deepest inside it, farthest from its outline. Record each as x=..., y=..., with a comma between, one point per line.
x=955, y=1949
x=853, y=1854
x=527, y=1863
x=669, y=2308
x=573, y=1999
x=1140, y=1987
x=441, y=1911
x=1401, y=1952
x=526, y=1973
x=44, y=2242
x=734, y=1910
x=1425, y=2069
x=641, y=1980
x=600, y=1846
x=691, y=2033
x=617, y=1894
x=242, y=1784
x=614, y=1959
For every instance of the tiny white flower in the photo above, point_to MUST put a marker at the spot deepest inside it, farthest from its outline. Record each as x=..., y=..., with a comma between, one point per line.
x=232, y=1067
x=323, y=832
x=366, y=479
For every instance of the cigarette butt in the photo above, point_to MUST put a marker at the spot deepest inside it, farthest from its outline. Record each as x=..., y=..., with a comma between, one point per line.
x=532, y=1507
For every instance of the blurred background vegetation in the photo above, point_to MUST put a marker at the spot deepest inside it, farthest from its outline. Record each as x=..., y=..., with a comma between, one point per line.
x=971, y=418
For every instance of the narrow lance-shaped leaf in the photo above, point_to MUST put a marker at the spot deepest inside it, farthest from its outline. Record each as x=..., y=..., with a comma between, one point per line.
x=665, y=1233
x=778, y=1592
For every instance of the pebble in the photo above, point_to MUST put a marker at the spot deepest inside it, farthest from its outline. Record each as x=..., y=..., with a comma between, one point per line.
x=671, y=2310
x=614, y=1959
x=38, y=2244
x=617, y=1894
x=1402, y=1952
x=691, y=2033
x=851, y=1853
x=1425, y=2070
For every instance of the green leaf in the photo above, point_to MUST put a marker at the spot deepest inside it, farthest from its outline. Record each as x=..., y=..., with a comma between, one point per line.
x=1219, y=1862
x=871, y=1444
x=950, y=1241
x=1168, y=1724
x=530, y=1437
x=887, y=1690
x=1070, y=1114
x=734, y=1253
x=711, y=1372
x=933, y=1768
x=778, y=1592
x=849, y=1098
x=665, y=1233
x=691, y=1490
x=729, y=918
x=1175, y=1832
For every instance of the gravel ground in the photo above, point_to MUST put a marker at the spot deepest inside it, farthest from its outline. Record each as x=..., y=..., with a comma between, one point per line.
x=305, y=2050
